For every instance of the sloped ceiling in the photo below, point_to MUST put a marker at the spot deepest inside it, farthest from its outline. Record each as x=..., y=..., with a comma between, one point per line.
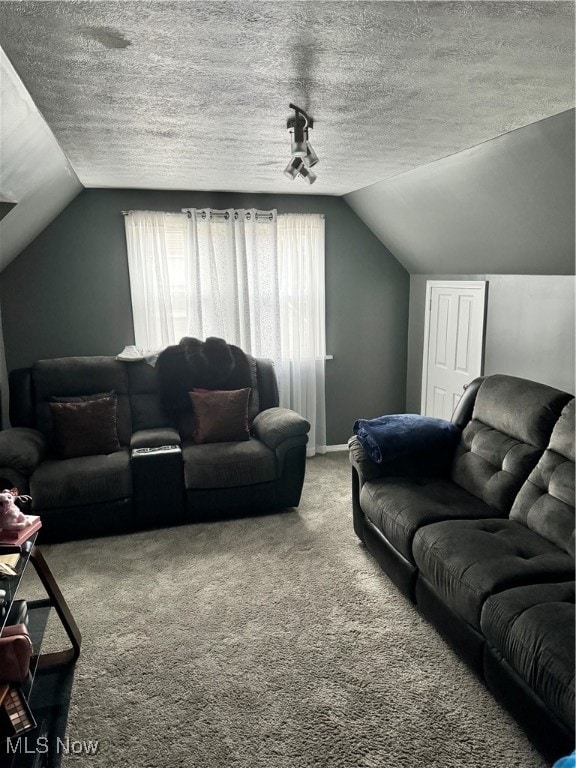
x=504, y=207
x=34, y=172
x=194, y=95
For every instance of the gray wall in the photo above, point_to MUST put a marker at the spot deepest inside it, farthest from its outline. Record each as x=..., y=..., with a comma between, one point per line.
x=505, y=206
x=529, y=329
x=68, y=294
x=35, y=172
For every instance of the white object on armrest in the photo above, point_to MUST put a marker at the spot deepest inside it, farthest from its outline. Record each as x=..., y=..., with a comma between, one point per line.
x=132, y=353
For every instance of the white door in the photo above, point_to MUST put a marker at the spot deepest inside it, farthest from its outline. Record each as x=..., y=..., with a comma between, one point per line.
x=453, y=343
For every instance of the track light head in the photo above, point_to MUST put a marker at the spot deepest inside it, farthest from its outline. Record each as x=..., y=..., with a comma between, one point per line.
x=311, y=158
x=299, y=132
x=298, y=148
x=293, y=168
x=305, y=173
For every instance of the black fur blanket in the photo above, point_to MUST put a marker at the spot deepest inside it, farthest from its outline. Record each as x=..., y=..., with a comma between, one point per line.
x=210, y=364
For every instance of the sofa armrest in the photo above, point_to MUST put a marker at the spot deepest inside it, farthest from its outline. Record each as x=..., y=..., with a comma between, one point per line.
x=22, y=449
x=155, y=438
x=274, y=425
x=429, y=463
x=362, y=463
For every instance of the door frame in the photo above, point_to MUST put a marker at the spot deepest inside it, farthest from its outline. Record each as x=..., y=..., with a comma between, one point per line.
x=481, y=285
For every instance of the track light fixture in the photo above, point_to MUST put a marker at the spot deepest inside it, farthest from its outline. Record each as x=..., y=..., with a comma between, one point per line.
x=303, y=155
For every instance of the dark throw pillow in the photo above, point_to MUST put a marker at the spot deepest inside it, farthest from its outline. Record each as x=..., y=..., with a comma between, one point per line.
x=220, y=416
x=84, y=428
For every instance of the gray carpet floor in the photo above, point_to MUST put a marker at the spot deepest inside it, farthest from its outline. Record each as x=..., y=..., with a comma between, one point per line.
x=268, y=642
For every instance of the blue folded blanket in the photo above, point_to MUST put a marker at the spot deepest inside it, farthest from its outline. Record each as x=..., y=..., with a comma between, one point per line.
x=566, y=762
x=389, y=437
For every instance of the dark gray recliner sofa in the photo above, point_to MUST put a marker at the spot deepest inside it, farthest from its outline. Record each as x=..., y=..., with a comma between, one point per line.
x=482, y=540
x=154, y=479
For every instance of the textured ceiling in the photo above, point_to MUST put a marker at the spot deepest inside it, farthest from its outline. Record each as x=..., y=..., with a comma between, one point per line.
x=194, y=95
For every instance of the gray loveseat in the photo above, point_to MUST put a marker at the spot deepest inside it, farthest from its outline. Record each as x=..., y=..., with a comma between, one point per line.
x=155, y=477
x=481, y=538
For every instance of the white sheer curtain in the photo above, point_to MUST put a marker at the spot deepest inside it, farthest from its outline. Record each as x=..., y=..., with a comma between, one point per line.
x=247, y=276
x=232, y=279
x=149, y=237
x=302, y=321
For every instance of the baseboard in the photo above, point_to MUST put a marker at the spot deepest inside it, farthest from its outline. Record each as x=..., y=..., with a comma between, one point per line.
x=322, y=449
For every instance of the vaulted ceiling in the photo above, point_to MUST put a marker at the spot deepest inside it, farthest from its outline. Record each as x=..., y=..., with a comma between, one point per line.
x=194, y=95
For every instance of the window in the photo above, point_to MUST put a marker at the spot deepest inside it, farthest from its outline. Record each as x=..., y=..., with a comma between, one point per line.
x=250, y=277
x=176, y=231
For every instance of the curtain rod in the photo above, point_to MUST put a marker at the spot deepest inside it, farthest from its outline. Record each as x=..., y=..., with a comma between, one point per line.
x=225, y=214
x=201, y=214
x=269, y=215
x=125, y=213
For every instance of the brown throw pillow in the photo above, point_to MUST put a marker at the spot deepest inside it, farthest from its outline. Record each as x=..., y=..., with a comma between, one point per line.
x=220, y=416
x=83, y=398
x=84, y=428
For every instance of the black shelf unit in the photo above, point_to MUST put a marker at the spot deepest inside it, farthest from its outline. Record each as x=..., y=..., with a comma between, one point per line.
x=48, y=685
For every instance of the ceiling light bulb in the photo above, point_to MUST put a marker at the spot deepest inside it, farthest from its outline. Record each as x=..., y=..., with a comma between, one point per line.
x=293, y=168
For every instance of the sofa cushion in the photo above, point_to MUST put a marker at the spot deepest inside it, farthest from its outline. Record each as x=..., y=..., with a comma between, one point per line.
x=22, y=449
x=276, y=425
x=532, y=628
x=492, y=465
x=81, y=481
x=398, y=506
x=523, y=409
x=226, y=465
x=511, y=425
x=254, y=400
x=147, y=411
x=220, y=416
x=268, y=396
x=74, y=376
x=146, y=406
x=84, y=428
x=155, y=438
x=466, y=561
x=545, y=503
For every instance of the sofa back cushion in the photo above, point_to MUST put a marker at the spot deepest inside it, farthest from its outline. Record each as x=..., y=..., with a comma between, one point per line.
x=145, y=402
x=22, y=406
x=70, y=377
x=267, y=387
x=545, y=503
x=510, y=427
